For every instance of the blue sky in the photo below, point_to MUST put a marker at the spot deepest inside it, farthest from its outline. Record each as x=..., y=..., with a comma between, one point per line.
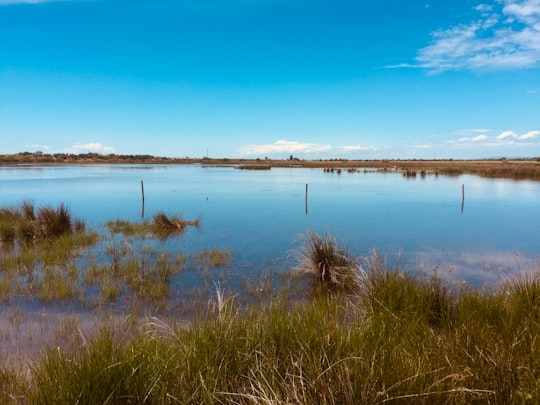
x=270, y=78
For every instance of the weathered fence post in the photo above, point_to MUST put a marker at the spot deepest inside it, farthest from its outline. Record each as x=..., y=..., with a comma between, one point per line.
x=142, y=191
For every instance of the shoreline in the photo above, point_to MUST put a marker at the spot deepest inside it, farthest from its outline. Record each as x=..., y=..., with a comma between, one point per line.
x=517, y=169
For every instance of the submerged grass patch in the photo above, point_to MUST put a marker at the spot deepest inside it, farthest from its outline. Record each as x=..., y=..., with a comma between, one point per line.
x=161, y=226
x=214, y=258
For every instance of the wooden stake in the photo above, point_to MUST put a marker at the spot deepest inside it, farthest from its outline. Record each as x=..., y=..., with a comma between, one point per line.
x=306, y=198
x=142, y=191
x=462, y=197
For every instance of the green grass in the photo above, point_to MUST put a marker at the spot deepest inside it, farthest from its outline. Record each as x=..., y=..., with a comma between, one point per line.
x=214, y=258
x=379, y=349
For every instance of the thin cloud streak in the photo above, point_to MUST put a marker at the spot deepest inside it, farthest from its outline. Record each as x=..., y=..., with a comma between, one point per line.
x=295, y=147
x=472, y=131
x=94, y=147
x=10, y=2
x=512, y=135
x=39, y=147
x=478, y=138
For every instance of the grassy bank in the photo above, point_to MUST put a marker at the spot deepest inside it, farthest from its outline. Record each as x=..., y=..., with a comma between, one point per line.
x=399, y=340
x=360, y=332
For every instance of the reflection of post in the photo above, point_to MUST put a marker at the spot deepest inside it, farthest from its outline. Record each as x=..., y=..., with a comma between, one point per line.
x=306, y=198
x=142, y=191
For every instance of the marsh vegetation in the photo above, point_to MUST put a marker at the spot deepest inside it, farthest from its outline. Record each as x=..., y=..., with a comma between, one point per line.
x=520, y=169
x=331, y=329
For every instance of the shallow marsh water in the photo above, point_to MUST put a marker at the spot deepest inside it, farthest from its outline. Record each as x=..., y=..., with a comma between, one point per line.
x=421, y=224
x=262, y=215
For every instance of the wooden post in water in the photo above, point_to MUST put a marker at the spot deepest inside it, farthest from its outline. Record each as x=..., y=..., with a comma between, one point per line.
x=462, y=197
x=306, y=198
x=142, y=191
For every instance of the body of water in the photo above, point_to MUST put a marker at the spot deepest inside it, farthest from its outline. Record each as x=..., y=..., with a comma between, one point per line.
x=262, y=216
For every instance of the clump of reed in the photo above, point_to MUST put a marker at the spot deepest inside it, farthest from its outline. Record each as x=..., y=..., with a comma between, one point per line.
x=21, y=223
x=161, y=225
x=54, y=222
x=333, y=170
x=329, y=263
x=165, y=225
x=409, y=173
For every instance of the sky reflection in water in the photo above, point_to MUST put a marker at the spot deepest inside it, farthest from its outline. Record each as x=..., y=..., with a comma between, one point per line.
x=261, y=215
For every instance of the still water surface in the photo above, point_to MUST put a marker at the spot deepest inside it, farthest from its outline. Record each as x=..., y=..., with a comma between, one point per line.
x=262, y=216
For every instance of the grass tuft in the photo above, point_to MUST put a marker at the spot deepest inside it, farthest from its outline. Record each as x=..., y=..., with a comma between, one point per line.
x=330, y=264
x=52, y=223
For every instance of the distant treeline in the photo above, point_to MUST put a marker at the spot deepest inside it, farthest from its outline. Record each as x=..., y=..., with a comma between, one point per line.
x=60, y=158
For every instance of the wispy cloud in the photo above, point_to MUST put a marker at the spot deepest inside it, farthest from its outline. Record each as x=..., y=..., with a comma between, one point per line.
x=39, y=146
x=506, y=138
x=510, y=135
x=478, y=131
x=7, y=2
x=506, y=35
x=505, y=135
x=478, y=138
x=94, y=147
x=530, y=135
x=294, y=147
x=15, y=2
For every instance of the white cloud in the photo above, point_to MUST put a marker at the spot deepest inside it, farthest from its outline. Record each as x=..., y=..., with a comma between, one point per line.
x=478, y=138
x=506, y=134
x=94, y=147
x=283, y=146
x=295, y=147
x=353, y=148
x=524, y=137
x=504, y=38
x=530, y=135
x=483, y=8
x=527, y=10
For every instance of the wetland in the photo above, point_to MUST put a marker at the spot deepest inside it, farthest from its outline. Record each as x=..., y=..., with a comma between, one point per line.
x=84, y=255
